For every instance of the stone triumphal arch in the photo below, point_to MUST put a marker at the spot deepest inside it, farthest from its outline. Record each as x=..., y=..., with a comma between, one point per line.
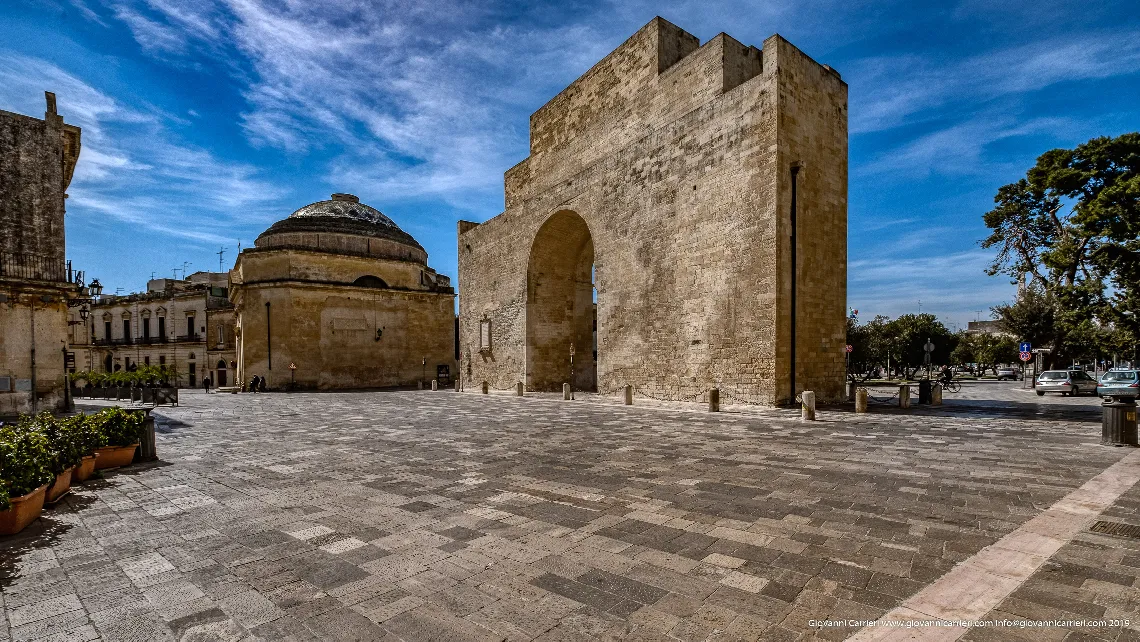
x=701, y=192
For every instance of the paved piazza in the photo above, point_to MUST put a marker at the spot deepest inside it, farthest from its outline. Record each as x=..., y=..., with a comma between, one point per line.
x=444, y=516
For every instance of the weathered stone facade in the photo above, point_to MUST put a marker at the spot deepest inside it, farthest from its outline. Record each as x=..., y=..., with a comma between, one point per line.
x=37, y=159
x=339, y=291
x=671, y=168
x=187, y=324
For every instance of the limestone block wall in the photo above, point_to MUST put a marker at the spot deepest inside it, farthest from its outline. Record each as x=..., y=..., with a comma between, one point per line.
x=813, y=133
x=37, y=158
x=283, y=265
x=676, y=168
x=19, y=310
x=330, y=333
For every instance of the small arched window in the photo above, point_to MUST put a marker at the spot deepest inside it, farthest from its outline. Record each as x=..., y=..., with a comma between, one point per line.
x=369, y=281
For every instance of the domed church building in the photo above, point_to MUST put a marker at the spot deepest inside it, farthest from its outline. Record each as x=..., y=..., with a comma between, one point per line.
x=337, y=296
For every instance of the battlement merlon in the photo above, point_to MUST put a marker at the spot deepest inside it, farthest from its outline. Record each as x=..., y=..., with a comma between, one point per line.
x=657, y=75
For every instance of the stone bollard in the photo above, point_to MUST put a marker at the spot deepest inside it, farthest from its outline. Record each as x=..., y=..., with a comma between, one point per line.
x=860, y=399
x=566, y=392
x=904, y=396
x=714, y=400
x=485, y=387
x=807, y=405
x=936, y=395
x=457, y=389
x=629, y=395
x=420, y=385
x=518, y=389
x=434, y=385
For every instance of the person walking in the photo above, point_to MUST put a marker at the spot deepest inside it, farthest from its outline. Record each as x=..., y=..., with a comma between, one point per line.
x=253, y=383
x=206, y=384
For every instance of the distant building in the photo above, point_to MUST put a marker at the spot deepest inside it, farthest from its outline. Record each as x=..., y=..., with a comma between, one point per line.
x=187, y=324
x=985, y=327
x=37, y=159
x=337, y=296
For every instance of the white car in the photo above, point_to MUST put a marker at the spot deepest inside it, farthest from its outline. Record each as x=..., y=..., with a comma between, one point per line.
x=1066, y=382
x=1008, y=373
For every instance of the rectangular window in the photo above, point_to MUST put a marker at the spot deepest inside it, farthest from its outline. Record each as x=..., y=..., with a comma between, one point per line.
x=190, y=326
x=146, y=360
x=485, y=334
x=107, y=331
x=162, y=360
x=193, y=374
x=126, y=329
x=162, y=328
x=146, y=328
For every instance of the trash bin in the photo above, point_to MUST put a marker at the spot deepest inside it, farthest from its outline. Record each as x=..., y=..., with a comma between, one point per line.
x=1118, y=423
x=924, y=395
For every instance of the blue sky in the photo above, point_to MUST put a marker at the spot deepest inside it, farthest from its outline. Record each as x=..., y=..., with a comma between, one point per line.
x=204, y=122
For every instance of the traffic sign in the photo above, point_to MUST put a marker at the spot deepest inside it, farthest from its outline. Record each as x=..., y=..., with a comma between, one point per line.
x=850, y=348
x=1025, y=347
x=1026, y=355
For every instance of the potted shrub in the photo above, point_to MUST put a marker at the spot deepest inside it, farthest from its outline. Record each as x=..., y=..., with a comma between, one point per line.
x=88, y=439
x=122, y=431
x=24, y=476
x=64, y=452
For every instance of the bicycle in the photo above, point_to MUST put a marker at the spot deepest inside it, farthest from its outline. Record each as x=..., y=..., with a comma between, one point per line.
x=950, y=385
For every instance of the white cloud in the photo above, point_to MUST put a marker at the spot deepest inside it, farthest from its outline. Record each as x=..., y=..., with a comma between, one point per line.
x=952, y=286
x=131, y=167
x=890, y=91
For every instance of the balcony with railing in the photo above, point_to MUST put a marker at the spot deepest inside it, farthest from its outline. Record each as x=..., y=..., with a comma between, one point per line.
x=192, y=338
x=34, y=267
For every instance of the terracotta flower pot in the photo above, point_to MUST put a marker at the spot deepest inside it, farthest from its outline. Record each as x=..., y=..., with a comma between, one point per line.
x=115, y=456
x=24, y=511
x=85, y=469
x=61, y=485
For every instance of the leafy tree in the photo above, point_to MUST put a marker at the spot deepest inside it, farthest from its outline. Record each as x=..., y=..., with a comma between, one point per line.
x=1068, y=233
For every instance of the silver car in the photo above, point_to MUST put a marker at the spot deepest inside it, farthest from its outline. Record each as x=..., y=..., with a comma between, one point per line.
x=1119, y=384
x=1066, y=382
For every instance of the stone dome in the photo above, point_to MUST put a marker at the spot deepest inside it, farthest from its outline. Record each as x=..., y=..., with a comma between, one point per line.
x=343, y=214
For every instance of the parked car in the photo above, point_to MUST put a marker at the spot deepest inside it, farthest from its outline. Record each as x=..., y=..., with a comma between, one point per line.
x=1008, y=373
x=1119, y=384
x=1066, y=382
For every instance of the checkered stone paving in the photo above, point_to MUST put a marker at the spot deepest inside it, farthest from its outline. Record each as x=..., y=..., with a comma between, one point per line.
x=444, y=516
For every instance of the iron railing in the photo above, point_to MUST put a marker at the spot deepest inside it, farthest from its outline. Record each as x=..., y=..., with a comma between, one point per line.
x=23, y=265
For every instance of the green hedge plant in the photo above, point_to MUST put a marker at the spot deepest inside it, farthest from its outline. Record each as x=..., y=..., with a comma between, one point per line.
x=61, y=439
x=25, y=460
x=119, y=427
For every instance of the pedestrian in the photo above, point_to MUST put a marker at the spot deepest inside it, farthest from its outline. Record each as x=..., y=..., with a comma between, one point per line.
x=206, y=384
x=253, y=383
x=261, y=385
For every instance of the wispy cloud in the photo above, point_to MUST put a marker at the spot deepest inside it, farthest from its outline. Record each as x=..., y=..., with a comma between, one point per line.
x=953, y=286
x=891, y=91
x=132, y=168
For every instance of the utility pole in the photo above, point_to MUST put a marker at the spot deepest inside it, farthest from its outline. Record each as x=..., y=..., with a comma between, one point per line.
x=221, y=253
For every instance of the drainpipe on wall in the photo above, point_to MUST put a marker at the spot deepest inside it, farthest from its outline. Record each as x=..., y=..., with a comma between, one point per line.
x=268, y=337
x=795, y=169
x=32, y=313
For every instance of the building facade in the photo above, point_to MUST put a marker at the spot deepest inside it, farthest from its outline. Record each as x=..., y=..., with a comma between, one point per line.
x=187, y=324
x=700, y=193
x=37, y=160
x=337, y=296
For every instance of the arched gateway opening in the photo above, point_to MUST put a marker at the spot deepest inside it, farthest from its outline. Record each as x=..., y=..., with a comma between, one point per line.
x=560, y=305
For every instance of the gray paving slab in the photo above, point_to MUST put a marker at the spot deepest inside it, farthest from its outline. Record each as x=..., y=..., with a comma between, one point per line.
x=420, y=515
